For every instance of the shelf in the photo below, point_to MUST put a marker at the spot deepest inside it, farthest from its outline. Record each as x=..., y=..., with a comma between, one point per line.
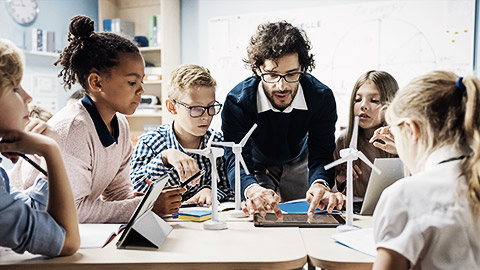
x=152, y=82
x=146, y=113
x=44, y=54
x=150, y=49
x=161, y=59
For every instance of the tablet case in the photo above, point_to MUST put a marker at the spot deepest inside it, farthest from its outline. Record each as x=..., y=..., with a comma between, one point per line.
x=148, y=230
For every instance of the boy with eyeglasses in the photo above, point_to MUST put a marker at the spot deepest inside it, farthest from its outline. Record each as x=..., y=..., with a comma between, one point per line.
x=191, y=101
x=296, y=117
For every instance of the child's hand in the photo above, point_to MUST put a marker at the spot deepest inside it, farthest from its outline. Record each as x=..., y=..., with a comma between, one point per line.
x=38, y=126
x=26, y=143
x=384, y=135
x=342, y=172
x=202, y=197
x=356, y=171
x=185, y=165
x=169, y=201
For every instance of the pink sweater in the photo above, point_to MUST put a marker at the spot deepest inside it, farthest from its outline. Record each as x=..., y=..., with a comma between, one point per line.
x=99, y=175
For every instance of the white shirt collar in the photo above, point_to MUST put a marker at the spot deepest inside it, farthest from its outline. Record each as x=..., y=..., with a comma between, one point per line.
x=442, y=154
x=263, y=104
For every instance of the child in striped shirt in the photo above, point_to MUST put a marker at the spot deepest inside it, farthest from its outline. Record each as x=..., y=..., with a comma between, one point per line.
x=191, y=101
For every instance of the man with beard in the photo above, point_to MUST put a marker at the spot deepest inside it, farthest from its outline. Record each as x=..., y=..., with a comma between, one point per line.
x=296, y=117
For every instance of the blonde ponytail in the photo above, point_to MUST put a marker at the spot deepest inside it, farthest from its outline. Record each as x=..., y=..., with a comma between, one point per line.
x=471, y=165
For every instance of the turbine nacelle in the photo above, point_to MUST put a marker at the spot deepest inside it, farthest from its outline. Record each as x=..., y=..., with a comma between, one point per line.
x=349, y=153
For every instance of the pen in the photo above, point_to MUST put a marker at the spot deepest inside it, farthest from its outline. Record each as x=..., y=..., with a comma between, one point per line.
x=193, y=177
x=33, y=164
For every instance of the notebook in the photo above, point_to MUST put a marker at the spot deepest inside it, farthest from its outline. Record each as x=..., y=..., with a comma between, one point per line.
x=392, y=170
x=98, y=235
x=195, y=215
x=300, y=207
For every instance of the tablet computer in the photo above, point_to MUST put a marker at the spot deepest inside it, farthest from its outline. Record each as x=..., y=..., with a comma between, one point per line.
x=392, y=170
x=319, y=220
x=130, y=237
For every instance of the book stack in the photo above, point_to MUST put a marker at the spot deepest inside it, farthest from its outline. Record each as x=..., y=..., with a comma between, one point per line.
x=195, y=215
x=119, y=26
x=153, y=74
x=35, y=39
x=154, y=26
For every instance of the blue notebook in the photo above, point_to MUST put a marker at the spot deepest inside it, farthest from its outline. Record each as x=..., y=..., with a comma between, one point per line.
x=300, y=207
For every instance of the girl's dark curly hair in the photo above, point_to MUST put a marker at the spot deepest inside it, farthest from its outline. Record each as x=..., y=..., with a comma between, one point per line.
x=90, y=52
x=276, y=40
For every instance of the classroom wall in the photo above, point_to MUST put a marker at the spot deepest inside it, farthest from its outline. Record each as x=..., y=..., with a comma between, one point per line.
x=196, y=13
x=195, y=29
x=54, y=16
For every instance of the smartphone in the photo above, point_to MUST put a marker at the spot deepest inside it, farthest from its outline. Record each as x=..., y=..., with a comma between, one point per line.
x=193, y=177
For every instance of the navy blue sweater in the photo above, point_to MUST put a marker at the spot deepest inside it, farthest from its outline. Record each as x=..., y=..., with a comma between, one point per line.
x=281, y=137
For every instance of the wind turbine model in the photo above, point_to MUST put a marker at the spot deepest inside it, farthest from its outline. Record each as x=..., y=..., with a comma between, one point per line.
x=349, y=155
x=212, y=153
x=237, y=150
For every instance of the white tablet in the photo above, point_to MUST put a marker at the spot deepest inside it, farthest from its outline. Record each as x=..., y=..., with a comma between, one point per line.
x=133, y=238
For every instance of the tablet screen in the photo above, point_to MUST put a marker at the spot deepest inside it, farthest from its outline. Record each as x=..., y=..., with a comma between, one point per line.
x=299, y=220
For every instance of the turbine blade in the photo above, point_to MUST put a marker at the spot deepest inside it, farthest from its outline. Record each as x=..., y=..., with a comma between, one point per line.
x=353, y=141
x=228, y=144
x=335, y=163
x=244, y=165
x=368, y=162
x=249, y=133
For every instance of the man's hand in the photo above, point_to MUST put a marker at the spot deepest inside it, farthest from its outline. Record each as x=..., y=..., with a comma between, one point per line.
x=318, y=196
x=185, y=165
x=169, y=201
x=202, y=197
x=262, y=200
x=383, y=134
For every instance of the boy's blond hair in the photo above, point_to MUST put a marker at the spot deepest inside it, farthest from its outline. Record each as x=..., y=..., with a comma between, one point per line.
x=11, y=65
x=186, y=77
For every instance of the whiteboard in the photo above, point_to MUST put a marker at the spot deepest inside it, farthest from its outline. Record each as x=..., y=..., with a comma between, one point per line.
x=404, y=38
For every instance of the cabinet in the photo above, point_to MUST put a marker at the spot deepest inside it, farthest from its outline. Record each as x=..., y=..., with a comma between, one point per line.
x=166, y=56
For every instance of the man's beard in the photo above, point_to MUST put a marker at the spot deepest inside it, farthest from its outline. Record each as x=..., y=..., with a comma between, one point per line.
x=281, y=106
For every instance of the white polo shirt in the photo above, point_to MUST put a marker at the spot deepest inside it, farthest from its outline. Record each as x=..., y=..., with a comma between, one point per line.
x=426, y=217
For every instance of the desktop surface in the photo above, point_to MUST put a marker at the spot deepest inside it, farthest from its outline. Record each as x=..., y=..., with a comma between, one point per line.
x=325, y=253
x=188, y=246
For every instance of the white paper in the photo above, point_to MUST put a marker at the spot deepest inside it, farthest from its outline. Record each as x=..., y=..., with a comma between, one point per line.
x=360, y=240
x=96, y=235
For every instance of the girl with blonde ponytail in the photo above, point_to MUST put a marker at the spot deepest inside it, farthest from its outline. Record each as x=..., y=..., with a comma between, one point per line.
x=429, y=220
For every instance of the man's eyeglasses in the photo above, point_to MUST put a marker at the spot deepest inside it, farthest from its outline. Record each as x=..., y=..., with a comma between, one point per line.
x=274, y=78
x=198, y=111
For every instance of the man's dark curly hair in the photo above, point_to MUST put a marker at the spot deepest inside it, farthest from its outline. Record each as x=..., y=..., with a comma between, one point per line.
x=276, y=40
x=90, y=52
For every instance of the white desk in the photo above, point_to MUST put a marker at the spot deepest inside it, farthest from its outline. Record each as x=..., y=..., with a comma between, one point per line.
x=325, y=253
x=188, y=246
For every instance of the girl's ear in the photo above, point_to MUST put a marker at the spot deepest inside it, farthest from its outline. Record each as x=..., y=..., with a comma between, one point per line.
x=413, y=130
x=95, y=82
x=170, y=104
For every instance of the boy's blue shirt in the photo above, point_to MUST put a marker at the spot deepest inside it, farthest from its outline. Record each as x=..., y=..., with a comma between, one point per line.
x=146, y=160
x=281, y=137
x=25, y=226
